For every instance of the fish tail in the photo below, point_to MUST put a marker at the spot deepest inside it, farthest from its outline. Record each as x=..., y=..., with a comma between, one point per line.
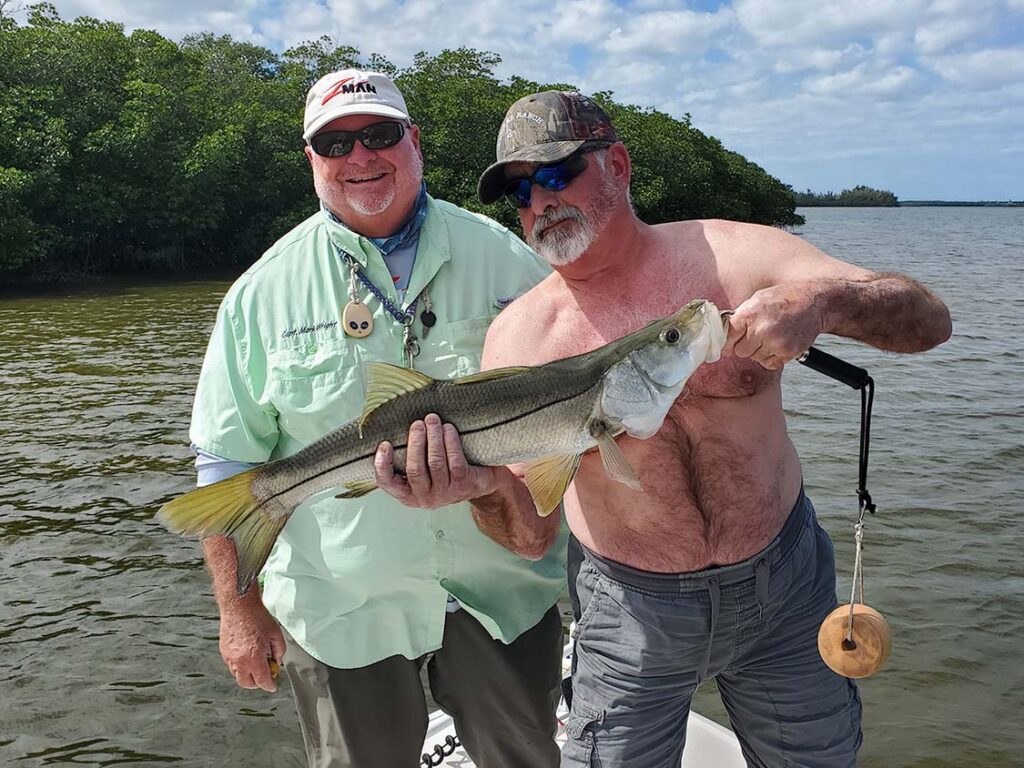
x=227, y=508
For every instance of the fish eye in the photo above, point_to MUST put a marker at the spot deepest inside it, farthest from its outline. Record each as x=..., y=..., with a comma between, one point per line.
x=671, y=335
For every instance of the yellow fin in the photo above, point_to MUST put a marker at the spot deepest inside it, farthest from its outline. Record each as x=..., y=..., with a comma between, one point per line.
x=385, y=382
x=355, y=490
x=616, y=465
x=491, y=375
x=548, y=479
x=227, y=508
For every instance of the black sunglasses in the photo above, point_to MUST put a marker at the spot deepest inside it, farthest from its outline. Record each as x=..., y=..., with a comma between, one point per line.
x=554, y=177
x=373, y=136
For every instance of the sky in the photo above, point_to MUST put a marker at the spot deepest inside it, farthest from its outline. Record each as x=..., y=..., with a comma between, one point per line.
x=924, y=98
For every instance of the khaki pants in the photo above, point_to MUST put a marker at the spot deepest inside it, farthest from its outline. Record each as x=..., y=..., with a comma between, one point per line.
x=502, y=699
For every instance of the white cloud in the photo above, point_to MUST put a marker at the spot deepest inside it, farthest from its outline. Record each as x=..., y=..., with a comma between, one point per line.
x=955, y=22
x=981, y=69
x=676, y=32
x=175, y=20
x=863, y=80
x=801, y=22
x=822, y=59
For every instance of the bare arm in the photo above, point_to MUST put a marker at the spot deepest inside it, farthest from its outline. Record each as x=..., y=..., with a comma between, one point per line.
x=249, y=636
x=508, y=516
x=888, y=311
x=802, y=292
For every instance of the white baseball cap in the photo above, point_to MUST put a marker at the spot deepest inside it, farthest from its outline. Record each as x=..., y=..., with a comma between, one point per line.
x=351, y=92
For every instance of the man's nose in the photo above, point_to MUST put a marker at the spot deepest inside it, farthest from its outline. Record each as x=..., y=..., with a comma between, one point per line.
x=360, y=155
x=542, y=200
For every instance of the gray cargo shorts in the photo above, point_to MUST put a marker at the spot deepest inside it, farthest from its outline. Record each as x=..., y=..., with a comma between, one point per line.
x=645, y=641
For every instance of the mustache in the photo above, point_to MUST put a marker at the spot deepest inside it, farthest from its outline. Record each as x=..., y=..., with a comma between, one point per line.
x=561, y=213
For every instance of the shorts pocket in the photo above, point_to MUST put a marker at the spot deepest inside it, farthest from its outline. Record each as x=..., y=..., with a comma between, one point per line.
x=591, y=585
x=579, y=730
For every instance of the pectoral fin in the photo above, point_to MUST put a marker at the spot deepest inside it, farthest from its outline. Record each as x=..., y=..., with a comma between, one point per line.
x=548, y=478
x=355, y=490
x=616, y=465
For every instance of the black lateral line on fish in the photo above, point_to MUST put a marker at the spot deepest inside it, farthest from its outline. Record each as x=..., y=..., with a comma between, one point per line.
x=405, y=445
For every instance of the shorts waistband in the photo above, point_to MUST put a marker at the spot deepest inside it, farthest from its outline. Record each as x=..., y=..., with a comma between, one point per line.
x=725, y=575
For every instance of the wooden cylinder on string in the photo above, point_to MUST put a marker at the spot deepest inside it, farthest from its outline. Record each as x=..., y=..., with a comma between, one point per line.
x=865, y=652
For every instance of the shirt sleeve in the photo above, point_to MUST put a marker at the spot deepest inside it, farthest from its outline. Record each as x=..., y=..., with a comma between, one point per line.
x=232, y=416
x=211, y=468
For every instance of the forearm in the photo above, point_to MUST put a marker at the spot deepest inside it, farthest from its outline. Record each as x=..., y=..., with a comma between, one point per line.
x=222, y=564
x=886, y=310
x=509, y=517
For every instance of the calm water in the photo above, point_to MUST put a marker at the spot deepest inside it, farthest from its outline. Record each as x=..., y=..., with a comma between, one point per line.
x=108, y=633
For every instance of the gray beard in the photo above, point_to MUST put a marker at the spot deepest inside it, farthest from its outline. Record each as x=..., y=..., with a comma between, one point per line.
x=563, y=246
x=331, y=194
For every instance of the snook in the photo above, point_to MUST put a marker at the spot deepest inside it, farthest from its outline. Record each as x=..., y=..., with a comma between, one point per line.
x=546, y=416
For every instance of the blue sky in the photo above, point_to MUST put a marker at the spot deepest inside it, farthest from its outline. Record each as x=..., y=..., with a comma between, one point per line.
x=921, y=97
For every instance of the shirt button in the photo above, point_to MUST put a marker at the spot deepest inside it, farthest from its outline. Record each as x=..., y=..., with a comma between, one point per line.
x=439, y=535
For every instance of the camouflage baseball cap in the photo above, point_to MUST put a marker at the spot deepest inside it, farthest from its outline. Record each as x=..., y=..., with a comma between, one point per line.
x=544, y=127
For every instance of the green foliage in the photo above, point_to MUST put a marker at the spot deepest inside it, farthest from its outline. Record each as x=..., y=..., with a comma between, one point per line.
x=135, y=152
x=859, y=196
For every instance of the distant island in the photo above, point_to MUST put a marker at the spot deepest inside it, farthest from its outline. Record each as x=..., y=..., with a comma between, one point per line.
x=964, y=203
x=859, y=196
x=868, y=197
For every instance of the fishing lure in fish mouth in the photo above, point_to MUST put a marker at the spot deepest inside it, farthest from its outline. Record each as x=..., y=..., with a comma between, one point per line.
x=545, y=417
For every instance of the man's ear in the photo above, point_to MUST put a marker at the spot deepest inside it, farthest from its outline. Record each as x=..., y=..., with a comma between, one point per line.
x=618, y=162
x=309, y=153
x=414, y=133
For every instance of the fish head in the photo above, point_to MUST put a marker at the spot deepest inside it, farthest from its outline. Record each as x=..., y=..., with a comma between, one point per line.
x=676, y=346
x=655, y=365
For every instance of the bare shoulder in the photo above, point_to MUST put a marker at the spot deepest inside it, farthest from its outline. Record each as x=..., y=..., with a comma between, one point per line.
x=515, y=335
x=733, y=237
x=722, y=240
x=760, y=255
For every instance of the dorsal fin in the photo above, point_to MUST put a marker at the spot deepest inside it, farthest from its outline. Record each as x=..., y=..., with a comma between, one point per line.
x=385, y=382
x=491, y=375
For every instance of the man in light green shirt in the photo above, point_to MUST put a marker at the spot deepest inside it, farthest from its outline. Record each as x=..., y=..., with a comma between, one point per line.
x=358, y=596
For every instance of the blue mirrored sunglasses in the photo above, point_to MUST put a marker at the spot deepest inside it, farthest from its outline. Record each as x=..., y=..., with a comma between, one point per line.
x=554, y=177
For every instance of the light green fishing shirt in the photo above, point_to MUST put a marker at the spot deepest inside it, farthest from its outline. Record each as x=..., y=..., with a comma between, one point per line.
x=356, y=581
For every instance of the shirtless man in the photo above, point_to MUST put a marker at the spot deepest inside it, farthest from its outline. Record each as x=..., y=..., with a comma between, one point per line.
x=718, y=568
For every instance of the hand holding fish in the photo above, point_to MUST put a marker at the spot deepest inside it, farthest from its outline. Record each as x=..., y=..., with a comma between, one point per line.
x=775, y=325
x=436, y=470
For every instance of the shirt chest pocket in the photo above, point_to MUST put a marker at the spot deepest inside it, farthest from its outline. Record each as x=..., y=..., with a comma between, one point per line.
x=466, y=340
x=316, y=387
